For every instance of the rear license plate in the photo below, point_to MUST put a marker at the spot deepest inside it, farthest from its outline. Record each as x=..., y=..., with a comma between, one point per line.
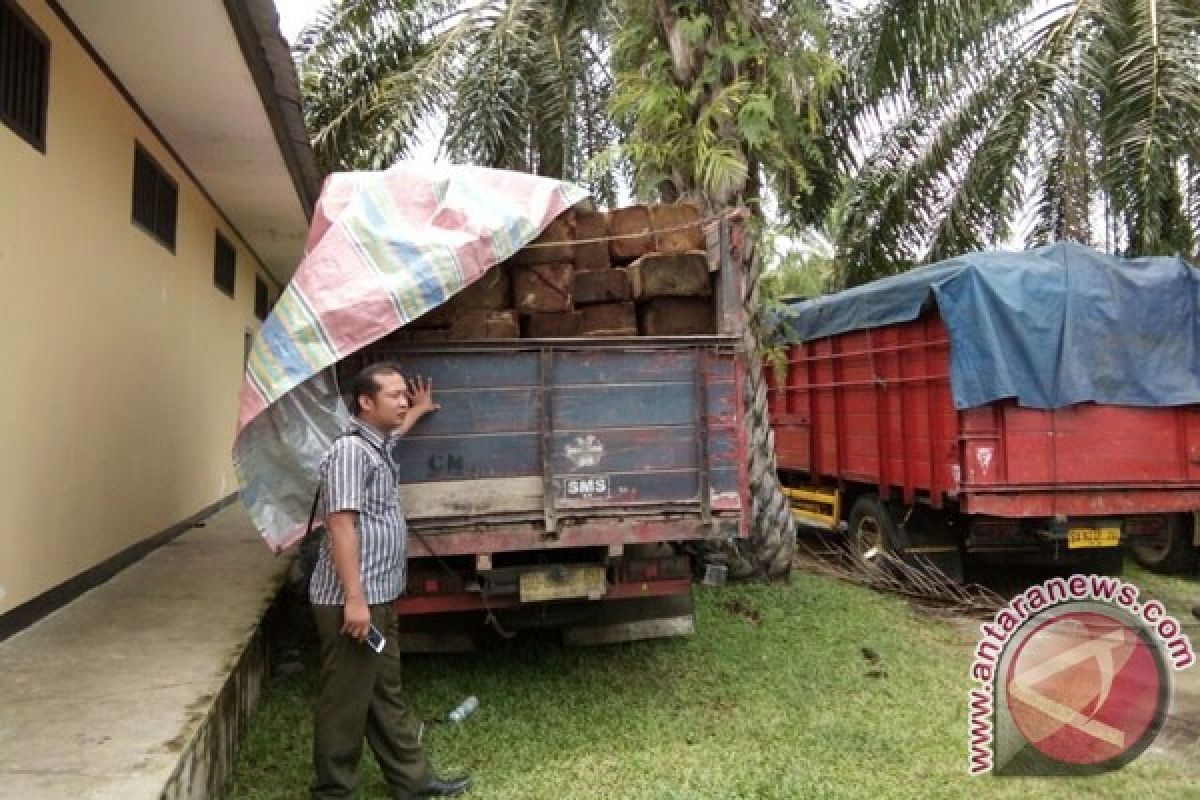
x=563, y=583
x=1093, y=537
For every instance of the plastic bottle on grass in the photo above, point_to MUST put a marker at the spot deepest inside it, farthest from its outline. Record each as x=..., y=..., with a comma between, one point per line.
x=464, y=710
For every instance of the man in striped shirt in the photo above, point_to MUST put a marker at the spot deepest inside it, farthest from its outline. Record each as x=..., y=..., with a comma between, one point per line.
x=359, y=572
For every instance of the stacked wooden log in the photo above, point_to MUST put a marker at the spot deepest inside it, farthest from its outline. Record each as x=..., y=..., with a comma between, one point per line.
x=641, y=270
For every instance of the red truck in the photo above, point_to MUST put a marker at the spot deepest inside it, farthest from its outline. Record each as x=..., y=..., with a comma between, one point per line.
x=562, y=480
x=868, y=433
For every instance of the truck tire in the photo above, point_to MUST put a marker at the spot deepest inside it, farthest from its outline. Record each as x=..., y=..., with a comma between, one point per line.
x=1170, y=552
x=872, y=529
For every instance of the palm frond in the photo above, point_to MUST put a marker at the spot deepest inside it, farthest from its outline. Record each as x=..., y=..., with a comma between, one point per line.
x=954, y=113
x=380, y=74
x=1146, y=58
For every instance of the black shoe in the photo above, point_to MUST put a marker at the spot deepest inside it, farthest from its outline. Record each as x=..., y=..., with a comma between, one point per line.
x=1196, y=612
x=443, y=787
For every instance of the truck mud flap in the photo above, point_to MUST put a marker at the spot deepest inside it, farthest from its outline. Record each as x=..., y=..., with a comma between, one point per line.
x=636, y=619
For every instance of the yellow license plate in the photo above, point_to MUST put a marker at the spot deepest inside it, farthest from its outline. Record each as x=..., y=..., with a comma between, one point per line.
x=563, y=583
x=1093, y=537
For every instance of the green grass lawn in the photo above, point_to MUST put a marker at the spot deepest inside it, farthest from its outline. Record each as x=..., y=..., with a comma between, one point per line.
x=772, y=698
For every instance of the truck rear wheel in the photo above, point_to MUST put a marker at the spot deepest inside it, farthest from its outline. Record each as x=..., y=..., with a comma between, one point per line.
x=1170, y=551
x=922, y=543
x=872, y=529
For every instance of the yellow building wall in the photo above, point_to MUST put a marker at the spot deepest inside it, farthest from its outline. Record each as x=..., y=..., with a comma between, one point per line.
x=121, y=360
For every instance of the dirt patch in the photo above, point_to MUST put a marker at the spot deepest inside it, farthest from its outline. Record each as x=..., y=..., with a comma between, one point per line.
x=874, y=661
x=737, y=607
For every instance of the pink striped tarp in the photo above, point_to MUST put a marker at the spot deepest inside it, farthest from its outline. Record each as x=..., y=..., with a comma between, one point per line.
x=383, y=249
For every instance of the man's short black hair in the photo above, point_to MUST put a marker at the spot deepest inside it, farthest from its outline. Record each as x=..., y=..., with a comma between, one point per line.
x=365, y=381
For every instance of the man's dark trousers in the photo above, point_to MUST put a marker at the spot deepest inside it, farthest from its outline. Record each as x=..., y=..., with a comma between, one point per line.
x=359, y=697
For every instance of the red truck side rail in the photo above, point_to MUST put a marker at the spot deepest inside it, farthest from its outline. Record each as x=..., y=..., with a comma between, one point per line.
x=874, y=407
x=870, y=414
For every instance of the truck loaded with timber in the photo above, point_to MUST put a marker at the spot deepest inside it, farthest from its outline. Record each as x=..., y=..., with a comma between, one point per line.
x=589, y=431
x=1016, y=406
x=589, y=439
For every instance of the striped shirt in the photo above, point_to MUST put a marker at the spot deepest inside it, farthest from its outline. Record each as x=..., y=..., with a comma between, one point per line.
x=358, y=475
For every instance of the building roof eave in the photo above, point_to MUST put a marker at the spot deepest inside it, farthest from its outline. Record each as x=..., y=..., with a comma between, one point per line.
x=256, y=24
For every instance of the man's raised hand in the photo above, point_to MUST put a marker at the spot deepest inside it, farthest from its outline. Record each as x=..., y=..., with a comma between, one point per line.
x=420, y=396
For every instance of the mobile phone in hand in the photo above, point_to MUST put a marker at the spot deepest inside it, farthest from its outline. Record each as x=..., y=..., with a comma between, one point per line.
x=375, y=639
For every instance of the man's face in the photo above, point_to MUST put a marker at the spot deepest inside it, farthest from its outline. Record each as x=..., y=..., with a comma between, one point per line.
x=385, y=411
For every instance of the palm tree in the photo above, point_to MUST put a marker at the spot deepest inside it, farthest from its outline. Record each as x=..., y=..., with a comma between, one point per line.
x=963, y=119
x=720, y=102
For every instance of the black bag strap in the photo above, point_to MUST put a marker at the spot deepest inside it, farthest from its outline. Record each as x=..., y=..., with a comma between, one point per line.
x=312, y=514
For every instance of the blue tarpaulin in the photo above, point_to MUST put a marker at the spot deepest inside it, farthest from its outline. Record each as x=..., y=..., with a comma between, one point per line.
x=1051, y=327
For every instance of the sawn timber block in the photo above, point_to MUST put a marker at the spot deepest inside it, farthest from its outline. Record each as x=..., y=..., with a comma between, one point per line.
x=553, y=245
x=544, y=288
x=561, y=324
x=591, y=255
x=439, y=317
x=601, y=286
x=485, y=324
x=623, y=222
x=671, y=275
x=492, y=290
x=677, y=316
x=669, y=237
x=609, y=319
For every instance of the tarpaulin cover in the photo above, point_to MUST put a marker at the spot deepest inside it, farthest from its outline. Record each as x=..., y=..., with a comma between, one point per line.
x=1051, y=327
x=384, y=248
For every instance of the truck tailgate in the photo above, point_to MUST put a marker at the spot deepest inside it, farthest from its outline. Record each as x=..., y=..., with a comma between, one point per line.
x=555, y=434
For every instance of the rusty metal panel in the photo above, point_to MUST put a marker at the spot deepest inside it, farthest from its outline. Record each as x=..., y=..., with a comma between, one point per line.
x=453, y=368
x=578, y=531
x=607, y=493
x=454, y=457
x=607, y=428
x=580, y=408
x=1082, y=501
x=624, y=449
x=483, y=410
x=624, y=365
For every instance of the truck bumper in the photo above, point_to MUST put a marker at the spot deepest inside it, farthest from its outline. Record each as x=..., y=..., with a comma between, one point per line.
x=629, y=612
x=480, y=601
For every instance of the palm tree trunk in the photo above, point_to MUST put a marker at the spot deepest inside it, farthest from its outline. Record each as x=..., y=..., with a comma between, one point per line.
x=772, y=543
